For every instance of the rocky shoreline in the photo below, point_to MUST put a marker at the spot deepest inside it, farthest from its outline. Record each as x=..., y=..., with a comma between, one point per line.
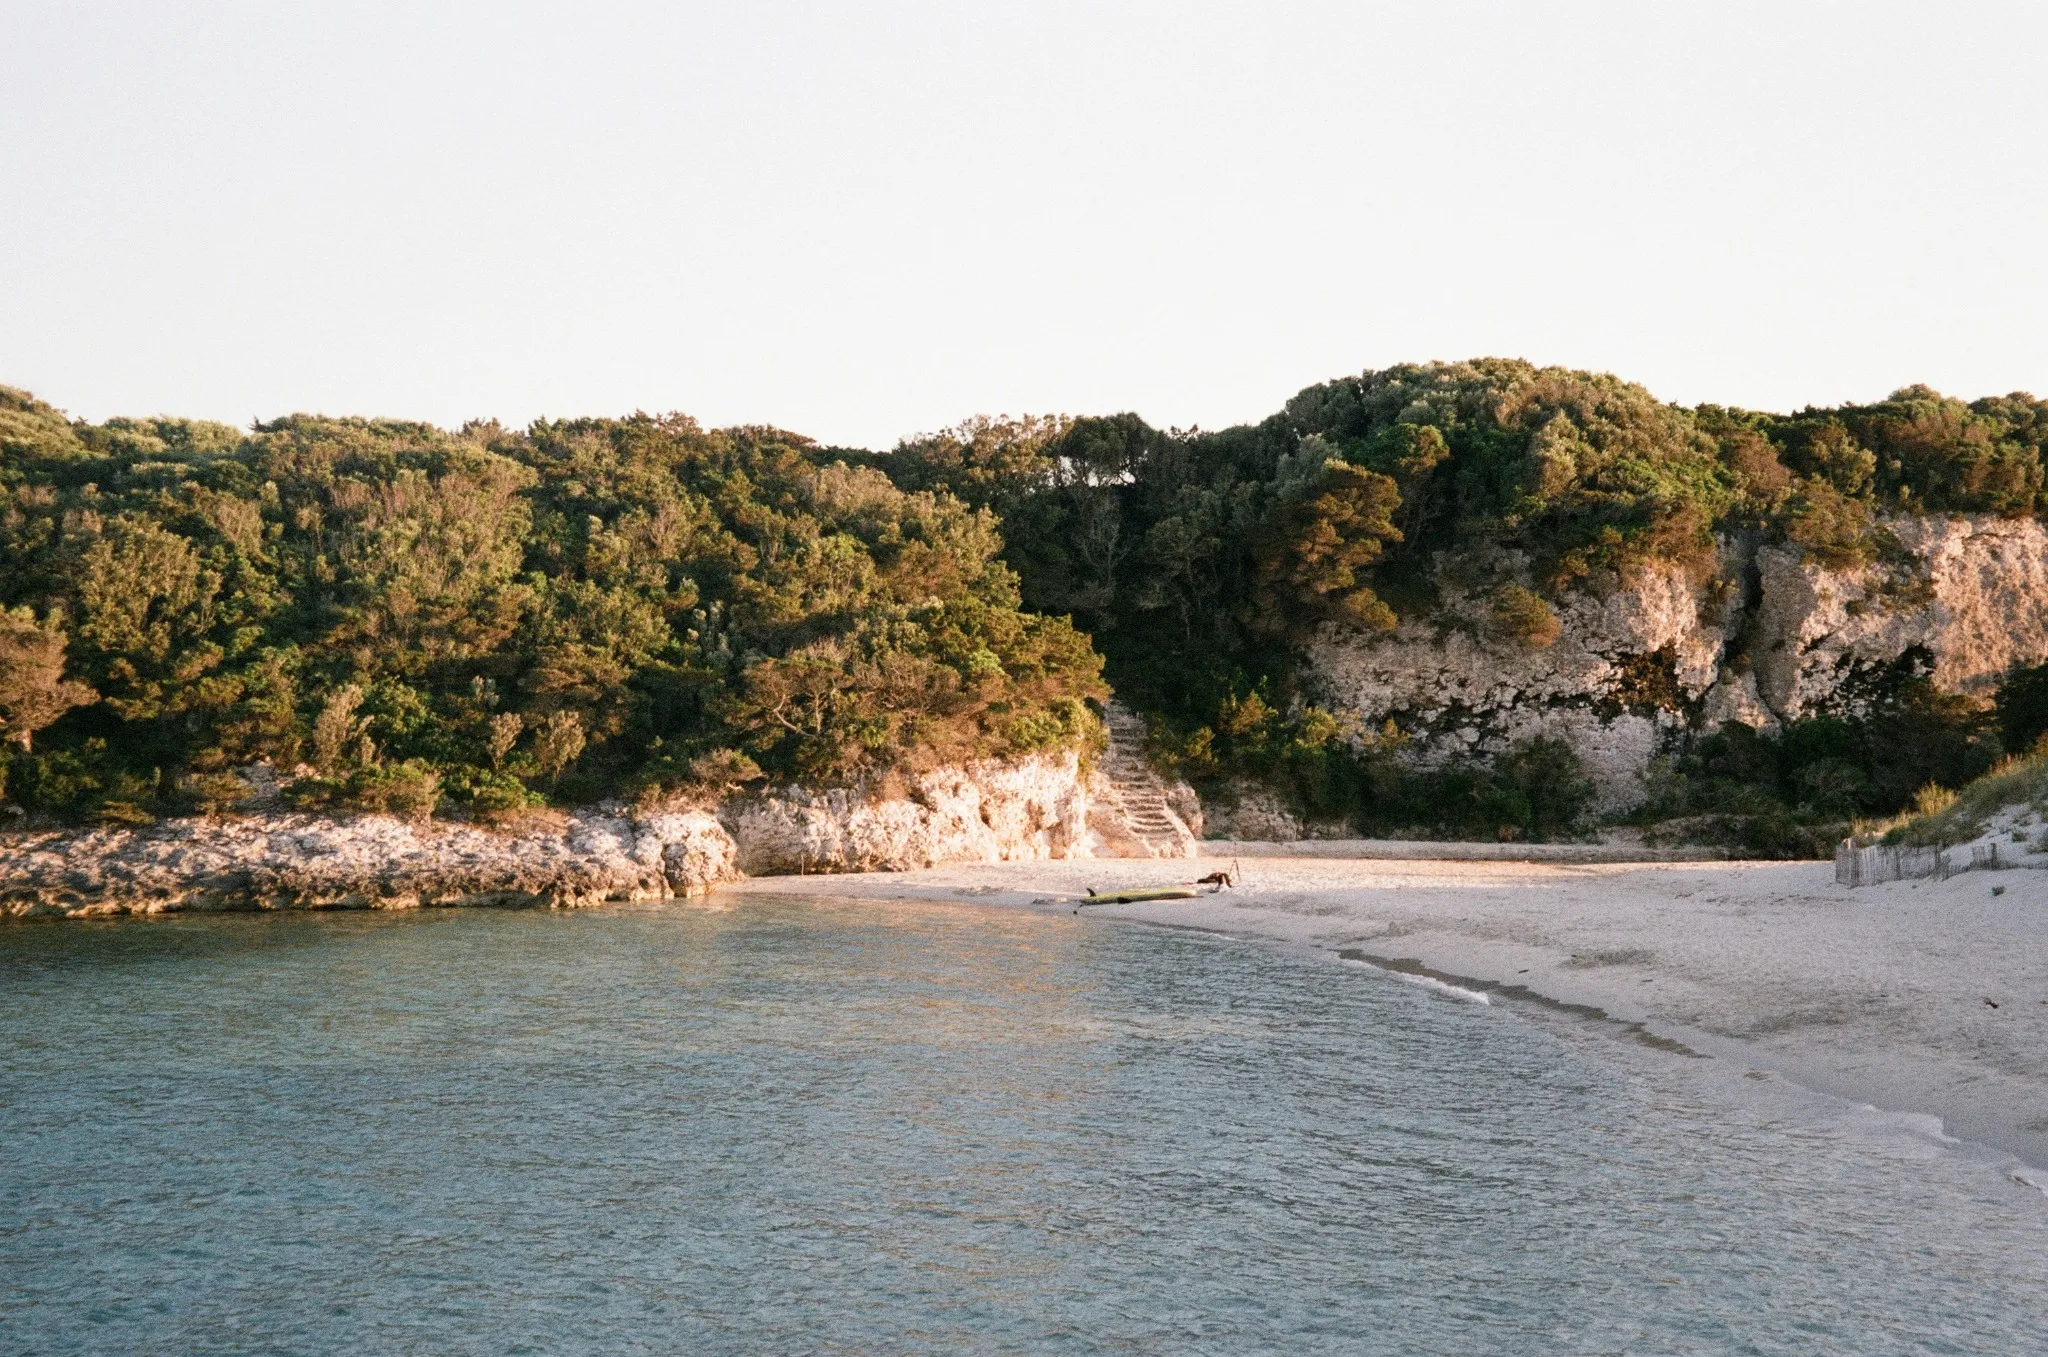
x=994, y=813
x=277, y=862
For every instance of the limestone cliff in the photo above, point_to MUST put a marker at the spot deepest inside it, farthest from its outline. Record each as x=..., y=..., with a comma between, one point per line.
x=1037, y=808
x=1769, y=637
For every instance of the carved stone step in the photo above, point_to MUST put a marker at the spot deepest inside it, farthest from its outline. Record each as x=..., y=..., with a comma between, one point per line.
x=1135, y=795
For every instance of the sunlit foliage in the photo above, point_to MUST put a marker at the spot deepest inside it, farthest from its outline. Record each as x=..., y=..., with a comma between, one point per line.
x=1204, y=562
x=492, y=617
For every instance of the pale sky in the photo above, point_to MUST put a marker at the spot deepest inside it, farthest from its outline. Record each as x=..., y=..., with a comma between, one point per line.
x=860, y=221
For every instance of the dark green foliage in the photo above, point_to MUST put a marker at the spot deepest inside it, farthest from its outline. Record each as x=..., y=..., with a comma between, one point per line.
x=1588, y=474
x=1521, y=615
x=1333, y=772
x=1202, y=562
x=33, y=689
x=2023, y=709
x=1795, y=793
x=1317, y=544
x=1921, y=450
x=493, y=617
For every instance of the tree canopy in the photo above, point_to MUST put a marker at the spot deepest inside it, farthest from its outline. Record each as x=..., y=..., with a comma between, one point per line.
x=1202, y=562
x=1206, y=545
x=496, y=616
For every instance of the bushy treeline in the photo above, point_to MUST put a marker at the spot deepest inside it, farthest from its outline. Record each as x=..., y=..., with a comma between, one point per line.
x=1797, y=791
x=1952, y=811
x=1201, y=561
x=494, y=616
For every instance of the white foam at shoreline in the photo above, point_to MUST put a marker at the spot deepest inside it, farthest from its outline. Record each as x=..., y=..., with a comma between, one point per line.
x=1470, y=996
x=1430, y=983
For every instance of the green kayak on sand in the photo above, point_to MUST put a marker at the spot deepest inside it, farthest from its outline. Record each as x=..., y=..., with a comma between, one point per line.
x=1133, y=897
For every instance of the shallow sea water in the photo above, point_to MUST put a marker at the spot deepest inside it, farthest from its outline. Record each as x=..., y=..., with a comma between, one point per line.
x=835, y=1126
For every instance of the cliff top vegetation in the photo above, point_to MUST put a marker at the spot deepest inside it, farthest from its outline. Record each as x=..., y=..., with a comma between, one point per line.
x=1202, y=561
x=494, y=616
x=499, y=616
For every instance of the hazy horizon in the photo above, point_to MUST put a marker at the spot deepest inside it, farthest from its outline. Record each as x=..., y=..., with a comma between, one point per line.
x=859, y=226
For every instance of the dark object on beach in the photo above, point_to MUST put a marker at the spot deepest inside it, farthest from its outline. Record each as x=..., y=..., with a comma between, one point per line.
x=1216, y=879
x=1992, y=1002
x=1998, y=890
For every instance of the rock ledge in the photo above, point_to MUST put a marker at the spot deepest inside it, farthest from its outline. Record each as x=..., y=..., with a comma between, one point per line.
x=1037, y=808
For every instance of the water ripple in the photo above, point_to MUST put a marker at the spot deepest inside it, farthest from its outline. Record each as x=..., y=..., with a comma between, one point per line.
x=850, y=1127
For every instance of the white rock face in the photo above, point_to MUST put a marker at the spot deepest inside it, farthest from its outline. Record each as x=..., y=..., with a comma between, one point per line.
x=370, y=862
x=987, y=813
x=1771, y=638
x=1975, y=599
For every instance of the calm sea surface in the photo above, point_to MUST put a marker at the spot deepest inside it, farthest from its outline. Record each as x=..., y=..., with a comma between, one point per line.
x=834, y=1127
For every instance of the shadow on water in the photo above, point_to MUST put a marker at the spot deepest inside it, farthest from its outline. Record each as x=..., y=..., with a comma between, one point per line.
x=32, y=946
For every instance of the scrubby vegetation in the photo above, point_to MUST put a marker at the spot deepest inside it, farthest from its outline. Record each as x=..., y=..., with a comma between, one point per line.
x=493, y=617
x=1201, y=562
x=1797, y=792
x=1949, y=810
x=1941, y=816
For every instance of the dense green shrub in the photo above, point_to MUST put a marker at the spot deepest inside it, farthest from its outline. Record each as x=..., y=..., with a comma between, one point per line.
x=1522, y=615
x=1200, y=560
x=593, y=605
x=1334, y=772
x=494, y=616
x=1943, y=816
x=1203, y=562
x=1796, y=792
x=2022, y=708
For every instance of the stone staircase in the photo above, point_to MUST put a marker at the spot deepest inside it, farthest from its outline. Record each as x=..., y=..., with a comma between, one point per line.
x=1139, y=820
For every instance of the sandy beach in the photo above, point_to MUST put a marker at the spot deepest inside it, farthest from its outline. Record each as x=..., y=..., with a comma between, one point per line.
x=1923, y=997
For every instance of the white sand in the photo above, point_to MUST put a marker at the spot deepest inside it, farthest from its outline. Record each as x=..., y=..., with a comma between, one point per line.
x=1878, y=994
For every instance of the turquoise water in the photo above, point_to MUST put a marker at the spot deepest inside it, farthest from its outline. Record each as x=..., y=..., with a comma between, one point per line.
x=836, y=1127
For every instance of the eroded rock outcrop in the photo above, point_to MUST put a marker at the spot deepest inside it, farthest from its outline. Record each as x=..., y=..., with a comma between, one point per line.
x=1969, y=592
x=1769, y=637
x=270, y=862
x=1036, y=808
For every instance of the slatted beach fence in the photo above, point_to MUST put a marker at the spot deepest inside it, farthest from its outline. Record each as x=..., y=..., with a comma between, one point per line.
x=1869, y=865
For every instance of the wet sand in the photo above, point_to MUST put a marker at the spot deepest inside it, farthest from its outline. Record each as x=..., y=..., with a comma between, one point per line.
x=1923, y=997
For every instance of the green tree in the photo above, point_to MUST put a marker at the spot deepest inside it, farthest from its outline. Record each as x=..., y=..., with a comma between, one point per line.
x=1317, y=548
x=33, y=689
